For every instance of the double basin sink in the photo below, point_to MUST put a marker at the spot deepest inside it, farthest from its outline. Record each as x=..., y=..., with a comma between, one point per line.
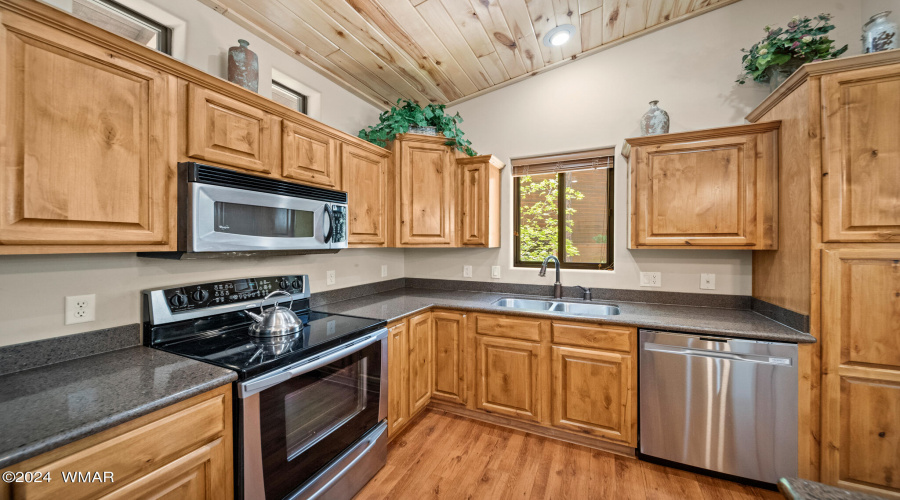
x=583, y=309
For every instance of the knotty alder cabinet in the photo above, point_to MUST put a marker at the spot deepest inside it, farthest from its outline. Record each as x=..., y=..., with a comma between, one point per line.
x=183, y=451
x=714, y=188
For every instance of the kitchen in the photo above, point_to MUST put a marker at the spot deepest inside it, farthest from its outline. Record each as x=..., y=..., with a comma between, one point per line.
x=475, y=375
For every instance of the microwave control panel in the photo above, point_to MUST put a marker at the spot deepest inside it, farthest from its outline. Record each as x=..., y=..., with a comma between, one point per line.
x=219, y=293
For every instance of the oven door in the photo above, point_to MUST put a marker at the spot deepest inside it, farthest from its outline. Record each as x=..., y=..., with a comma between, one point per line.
x=296, y=421
x=226, y=219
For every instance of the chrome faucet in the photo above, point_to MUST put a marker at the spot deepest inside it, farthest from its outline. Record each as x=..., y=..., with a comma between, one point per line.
x=557, y=287
x=586, y=293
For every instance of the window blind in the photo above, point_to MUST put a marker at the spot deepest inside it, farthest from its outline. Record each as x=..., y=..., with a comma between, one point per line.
x=564, y=162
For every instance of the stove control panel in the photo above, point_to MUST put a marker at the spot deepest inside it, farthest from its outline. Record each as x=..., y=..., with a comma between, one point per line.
x=219, y=293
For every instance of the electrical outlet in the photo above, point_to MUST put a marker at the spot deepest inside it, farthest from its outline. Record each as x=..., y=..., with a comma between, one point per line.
x=708, y=281
x=329, y=278
x=80, y=309
x=495, y=272
x=467, y=271
x=651, y=279
x=384, y=270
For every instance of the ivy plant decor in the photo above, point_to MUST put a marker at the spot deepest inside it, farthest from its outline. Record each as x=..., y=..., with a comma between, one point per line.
x=408, y=113
x=786, y=49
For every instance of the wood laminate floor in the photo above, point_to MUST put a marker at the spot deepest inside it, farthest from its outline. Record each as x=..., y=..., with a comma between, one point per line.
x=450, y=457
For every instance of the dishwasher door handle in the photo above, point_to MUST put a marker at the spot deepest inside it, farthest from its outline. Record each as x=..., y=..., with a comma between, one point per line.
x=705, y=353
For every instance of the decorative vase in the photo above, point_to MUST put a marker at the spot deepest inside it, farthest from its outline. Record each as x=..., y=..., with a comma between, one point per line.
x=879, y=33
x=655, y=120
x=243, y=66
x=778, y=74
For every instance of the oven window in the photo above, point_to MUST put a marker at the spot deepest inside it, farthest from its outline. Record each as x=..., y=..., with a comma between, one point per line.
x=252, y=220
x=312, y=412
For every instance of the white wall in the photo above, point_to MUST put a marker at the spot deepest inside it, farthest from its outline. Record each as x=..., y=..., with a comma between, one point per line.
x=33, y=288
x=597, y=101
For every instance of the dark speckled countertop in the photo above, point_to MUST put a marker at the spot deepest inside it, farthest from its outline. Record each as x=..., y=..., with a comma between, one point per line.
x=47, y=407
x=742, y=323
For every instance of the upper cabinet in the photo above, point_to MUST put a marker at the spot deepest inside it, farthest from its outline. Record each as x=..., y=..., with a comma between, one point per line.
x=310, y=156
x=364, y=175
x=426, y=186
x=713, y=188
x=224, y=130
x=88, y=146
x=861, y=155
x=479, y=201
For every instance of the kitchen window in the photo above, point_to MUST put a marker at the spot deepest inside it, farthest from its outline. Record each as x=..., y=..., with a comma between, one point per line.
x=284, y=95
x=564, y=206
x=125, y=22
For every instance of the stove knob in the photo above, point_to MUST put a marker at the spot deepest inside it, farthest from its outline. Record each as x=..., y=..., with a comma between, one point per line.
x=297, y=284
x=178, y=300
x=284, y=283
x=200, y=295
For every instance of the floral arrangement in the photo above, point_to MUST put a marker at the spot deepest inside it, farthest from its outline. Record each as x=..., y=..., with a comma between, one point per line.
x=804, y=40
x=408, y=113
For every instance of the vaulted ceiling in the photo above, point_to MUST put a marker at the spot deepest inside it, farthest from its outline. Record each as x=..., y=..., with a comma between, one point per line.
x=446, y=51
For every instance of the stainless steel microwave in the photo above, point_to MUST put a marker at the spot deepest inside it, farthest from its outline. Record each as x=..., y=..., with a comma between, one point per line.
x=225, y=212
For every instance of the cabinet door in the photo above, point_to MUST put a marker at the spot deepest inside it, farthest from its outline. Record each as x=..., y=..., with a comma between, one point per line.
x=861, y=155
x=426, y=194
x=365, y=180
x=421, y=354
x=508, y=377
x=88, y=151
x=593, y=392
x=474, y=209
x=224, y=130
x=398, y=377
x=310, y=156
x=861, y=367
x=449, y=357
x=713, y=193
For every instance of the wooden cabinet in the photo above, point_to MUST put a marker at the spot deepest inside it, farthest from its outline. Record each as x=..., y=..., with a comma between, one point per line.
x=449, y=356
x=708, y=189
x=861, y=155
x=421, y=358
x=425, y=191
x=479, y=201
x=398, y=377
x=183, y=451
x=310, y=156
x=861, y=367
x=364, y=177
x=594, y=392
x=88, y=148
x=508, y=377
x=225, y=130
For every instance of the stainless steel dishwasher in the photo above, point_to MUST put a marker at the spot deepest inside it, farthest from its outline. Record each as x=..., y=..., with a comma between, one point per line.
x=722, y=404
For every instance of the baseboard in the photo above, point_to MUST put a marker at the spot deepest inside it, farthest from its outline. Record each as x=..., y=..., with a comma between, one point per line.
x=558, y=434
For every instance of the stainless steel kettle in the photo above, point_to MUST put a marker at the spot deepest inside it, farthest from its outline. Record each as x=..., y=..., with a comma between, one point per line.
x=277, y=321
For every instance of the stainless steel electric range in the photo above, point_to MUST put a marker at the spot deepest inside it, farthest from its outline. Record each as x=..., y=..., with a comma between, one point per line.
x=311, y=395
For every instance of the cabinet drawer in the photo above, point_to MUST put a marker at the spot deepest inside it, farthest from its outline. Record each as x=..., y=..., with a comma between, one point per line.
x=518, y=328
x=130, y=455
x=611, y=338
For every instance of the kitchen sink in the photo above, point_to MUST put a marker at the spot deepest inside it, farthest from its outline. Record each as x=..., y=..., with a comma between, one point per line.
x=576, y=308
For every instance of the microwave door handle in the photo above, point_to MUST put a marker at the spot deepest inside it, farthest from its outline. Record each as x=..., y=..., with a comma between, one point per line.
x=330, y=215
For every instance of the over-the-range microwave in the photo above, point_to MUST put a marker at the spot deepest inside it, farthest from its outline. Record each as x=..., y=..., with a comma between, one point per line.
x=222, y=212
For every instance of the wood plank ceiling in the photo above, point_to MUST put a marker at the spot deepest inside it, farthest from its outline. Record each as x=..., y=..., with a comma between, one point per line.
x=446, y=51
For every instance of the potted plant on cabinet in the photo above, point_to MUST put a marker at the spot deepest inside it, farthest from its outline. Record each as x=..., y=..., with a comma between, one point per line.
x=408, y=114
x=784, y=50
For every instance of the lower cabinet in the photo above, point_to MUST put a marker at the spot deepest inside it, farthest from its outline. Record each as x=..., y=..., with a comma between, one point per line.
x=183, y=451
x=421, y=356
x=508, y=377
x=449, y=359
x=398, y=377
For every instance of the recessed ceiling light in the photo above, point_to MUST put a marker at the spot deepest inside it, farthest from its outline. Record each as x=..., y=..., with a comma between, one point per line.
x=559, y=35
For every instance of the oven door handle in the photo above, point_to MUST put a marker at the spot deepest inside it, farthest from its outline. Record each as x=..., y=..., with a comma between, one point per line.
x=264, y=382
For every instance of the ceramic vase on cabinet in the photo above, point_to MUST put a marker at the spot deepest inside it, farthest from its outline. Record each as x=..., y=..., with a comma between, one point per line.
x=655, y=120
x=879, y=33
x=243, y=66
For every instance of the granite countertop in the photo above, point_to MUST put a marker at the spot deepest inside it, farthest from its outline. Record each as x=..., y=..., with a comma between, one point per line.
x=46, y=407
x=742, y=323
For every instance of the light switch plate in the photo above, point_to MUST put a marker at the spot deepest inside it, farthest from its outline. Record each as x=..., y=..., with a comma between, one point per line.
x=467, y=271
x=495, y=272
x=384, y=270
x=329, y=278
x=707, y=281
x=651, y=279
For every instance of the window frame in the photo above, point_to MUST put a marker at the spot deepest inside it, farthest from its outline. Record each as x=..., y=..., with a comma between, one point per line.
x=164, y=41
x=304, y=99
x=561, y=242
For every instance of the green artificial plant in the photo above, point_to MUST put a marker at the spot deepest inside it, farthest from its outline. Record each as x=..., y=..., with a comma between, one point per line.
x=408, y=114
x=804, y=40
